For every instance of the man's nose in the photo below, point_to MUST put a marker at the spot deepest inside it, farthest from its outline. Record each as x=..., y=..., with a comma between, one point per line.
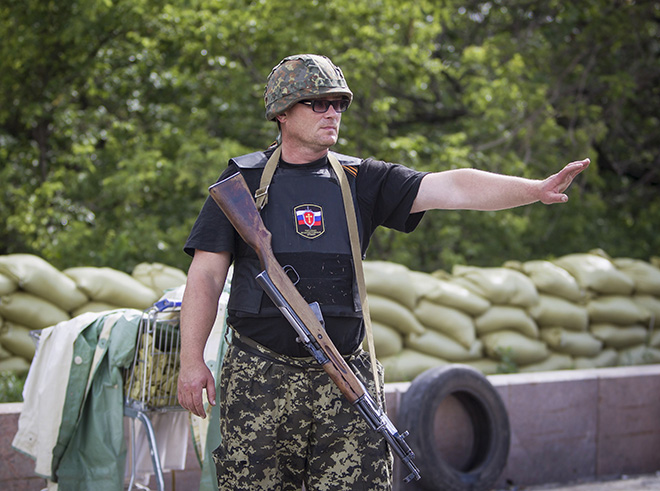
x=331, y=112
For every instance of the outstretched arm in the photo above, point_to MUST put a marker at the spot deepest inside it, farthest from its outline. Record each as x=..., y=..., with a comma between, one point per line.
x=472, y=189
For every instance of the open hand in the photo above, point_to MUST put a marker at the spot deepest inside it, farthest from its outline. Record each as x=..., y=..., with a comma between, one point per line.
x=553, y=187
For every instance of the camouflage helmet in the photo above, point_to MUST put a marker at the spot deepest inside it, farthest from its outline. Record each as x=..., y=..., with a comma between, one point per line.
x=300, y=77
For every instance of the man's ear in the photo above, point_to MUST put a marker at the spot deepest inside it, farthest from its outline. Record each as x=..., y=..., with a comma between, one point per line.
x=281, y=117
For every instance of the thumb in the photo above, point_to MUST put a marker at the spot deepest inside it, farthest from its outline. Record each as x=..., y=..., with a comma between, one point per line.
x=553, y=198
x=210, y=391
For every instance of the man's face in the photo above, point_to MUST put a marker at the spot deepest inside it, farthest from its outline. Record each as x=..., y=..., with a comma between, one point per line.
x=316, y=131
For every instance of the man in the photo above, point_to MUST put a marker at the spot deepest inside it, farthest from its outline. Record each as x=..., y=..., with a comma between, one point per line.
x=283, y=421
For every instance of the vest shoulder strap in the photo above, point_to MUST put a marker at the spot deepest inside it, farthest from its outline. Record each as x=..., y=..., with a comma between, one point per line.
x=254, y=160
x=257, y=160
x=346, y=159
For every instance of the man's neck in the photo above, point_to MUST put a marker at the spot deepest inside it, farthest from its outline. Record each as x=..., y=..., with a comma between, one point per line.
x=301, y=155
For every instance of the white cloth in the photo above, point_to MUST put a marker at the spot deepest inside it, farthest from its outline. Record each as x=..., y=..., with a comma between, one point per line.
x=44, y=393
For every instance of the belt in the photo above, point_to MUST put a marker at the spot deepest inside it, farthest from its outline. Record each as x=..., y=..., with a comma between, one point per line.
x=248, y=345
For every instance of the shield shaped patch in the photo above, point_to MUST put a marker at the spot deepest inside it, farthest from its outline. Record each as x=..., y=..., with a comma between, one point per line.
x=309, y=220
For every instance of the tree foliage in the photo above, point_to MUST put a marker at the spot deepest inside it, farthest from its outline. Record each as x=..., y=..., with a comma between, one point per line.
x=116, y=115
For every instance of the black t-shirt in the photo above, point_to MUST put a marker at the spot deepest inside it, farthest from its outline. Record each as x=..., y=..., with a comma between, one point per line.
x=385, y=193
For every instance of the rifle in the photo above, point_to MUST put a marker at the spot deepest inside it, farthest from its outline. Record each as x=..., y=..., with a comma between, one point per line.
x=233, y=196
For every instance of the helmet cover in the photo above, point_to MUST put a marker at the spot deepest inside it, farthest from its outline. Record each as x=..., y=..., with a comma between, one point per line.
x=302, y=77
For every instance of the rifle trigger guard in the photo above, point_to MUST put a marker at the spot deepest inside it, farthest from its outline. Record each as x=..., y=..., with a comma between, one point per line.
x=290, y=269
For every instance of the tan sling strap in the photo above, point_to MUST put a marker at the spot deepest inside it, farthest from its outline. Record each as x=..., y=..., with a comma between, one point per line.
x=351, y=218
x=261, y=197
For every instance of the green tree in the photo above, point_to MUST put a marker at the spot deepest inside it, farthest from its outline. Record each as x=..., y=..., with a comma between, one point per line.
x=116, y=115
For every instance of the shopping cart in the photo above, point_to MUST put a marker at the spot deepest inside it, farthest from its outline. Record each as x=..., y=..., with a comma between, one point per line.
x=151, y=380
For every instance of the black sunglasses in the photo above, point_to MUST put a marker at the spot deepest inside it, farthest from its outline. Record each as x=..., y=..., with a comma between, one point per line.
x=322, y=105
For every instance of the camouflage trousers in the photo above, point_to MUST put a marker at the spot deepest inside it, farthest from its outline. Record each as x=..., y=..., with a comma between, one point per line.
x=284, y=423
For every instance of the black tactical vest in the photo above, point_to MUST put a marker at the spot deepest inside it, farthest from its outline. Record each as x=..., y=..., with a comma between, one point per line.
x=306, y=217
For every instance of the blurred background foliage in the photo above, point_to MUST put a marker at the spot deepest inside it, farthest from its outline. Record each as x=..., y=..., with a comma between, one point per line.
x=116, y=115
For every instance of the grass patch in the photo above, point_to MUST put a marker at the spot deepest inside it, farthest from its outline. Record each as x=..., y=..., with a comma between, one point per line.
x=11, y=387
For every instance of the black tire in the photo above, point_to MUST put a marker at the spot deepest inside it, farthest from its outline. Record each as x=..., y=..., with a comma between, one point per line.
x=470, y=392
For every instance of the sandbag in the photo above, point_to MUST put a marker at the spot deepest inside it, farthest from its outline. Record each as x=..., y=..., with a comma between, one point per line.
x=502, y=317
x=394, y=314
x=619, y=337
x=514, y=346
x=571, y=342
x=15, y=364
x=553, y=280
x=616, y=309
x=654, y=338
x=485, y=366
x=607, y=358
x=556, y=311
x=4, y=353
x=35, y=275
x=639, y=355
x=94, y=307
x=454, y=323
x=159, y=277
x=437, y=344
x=17, y=340
x=7, y=285
x=30, y=310
x=596, y=273
x=645, y=276
x=390, y=280
x=407, y=364
x=556, y=361
x=503, y=286
x=449, y=294
x=387, y=341
x=112, y=286
x=651, y=304
x=423, y=283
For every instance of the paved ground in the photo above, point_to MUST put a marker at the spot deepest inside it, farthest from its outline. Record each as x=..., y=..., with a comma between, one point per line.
x=626, y=483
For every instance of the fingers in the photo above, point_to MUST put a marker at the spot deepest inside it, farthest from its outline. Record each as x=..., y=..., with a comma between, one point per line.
x=555, y=185
x=190, y=393
x=574, y=168
x=565, y=177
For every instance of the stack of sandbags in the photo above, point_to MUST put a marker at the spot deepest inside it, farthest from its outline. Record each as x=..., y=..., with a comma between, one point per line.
x=424, y=321
x=159, y=277
x=646, y=296
x=578, y=311
x=34, y=295
x=109, y=288
x=621, y=295
x=562, y=317
x=510, y=334
x=448, y=310
x=392, y=298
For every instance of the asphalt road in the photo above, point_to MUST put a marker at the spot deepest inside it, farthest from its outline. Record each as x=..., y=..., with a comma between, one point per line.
x=625, y=483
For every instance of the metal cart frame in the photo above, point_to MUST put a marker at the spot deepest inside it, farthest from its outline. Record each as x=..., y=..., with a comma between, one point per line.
x=150, y=382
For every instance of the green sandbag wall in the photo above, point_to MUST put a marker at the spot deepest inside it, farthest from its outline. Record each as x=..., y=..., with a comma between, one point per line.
x=35, y=295
x=583, y=310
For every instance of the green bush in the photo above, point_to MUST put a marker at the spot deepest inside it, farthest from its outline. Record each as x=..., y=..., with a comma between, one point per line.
x=11, y=387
